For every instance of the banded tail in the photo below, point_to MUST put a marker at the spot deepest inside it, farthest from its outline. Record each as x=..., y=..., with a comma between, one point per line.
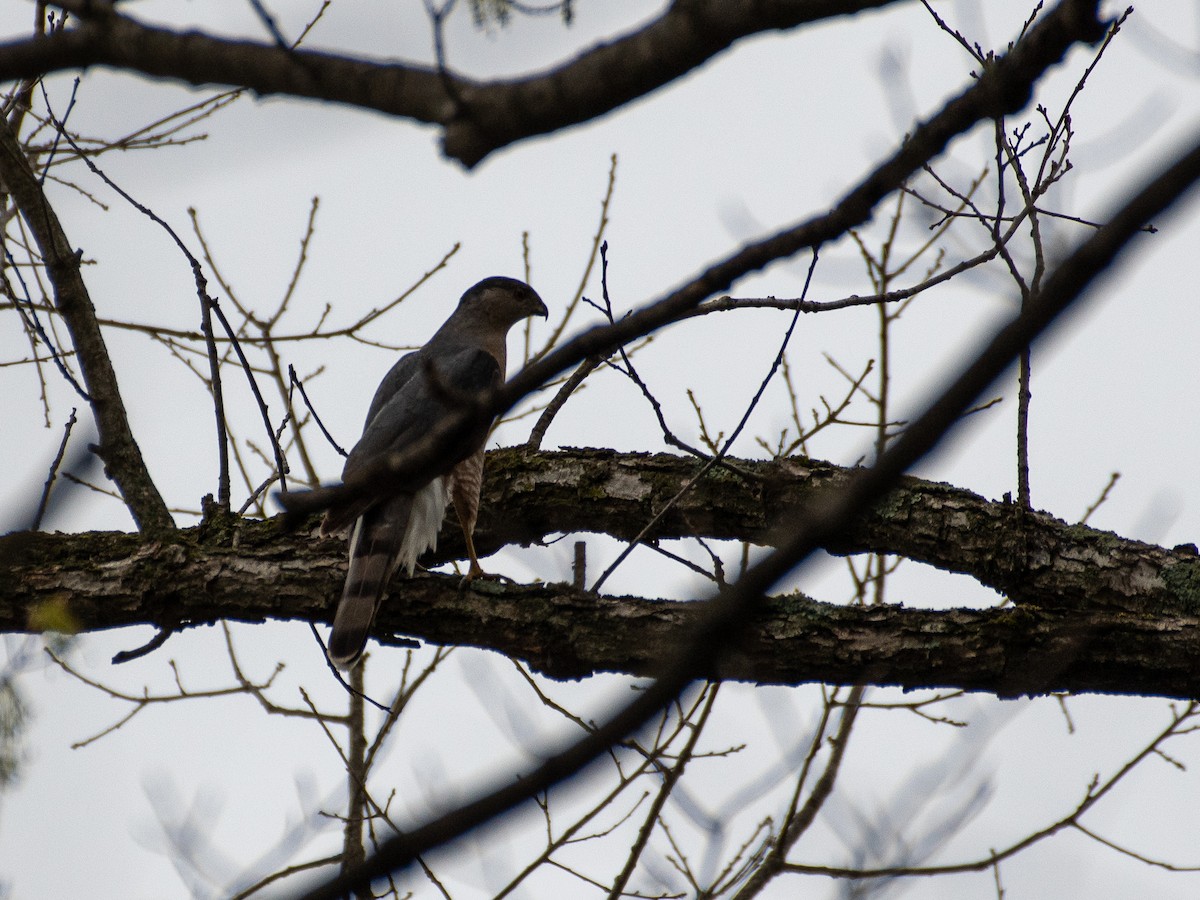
x=386, y=537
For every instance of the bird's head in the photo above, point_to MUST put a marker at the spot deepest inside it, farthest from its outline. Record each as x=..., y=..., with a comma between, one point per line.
x=502, y=301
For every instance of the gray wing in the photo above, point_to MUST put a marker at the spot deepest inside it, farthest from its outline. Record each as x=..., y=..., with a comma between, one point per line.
x=411, y=408
x=397, y=377
x=407, y=406
x=422, y=400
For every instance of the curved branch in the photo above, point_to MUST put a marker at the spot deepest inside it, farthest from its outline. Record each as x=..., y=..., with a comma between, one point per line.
x=1030, y=557
x=613, y=74
x=478, y=118
x=106, y=38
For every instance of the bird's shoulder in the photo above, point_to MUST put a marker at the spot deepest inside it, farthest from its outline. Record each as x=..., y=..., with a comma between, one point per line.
x=463, y=366
x=419, y=390
x=394, y=381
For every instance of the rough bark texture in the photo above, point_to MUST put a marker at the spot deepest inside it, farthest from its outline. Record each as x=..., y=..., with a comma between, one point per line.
x=1030, y=557
x=1095, y=612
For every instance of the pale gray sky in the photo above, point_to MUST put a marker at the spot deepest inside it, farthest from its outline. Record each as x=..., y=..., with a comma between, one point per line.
x=763, y=136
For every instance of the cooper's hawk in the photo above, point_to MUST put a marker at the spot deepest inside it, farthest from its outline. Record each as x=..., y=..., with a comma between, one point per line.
x=466, y=356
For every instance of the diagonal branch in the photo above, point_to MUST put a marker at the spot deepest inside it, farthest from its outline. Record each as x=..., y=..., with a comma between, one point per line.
x=1002, y=88
x=723, y=619
x=117, y=447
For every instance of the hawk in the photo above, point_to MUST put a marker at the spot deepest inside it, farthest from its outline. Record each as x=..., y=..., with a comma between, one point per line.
x=465, y=357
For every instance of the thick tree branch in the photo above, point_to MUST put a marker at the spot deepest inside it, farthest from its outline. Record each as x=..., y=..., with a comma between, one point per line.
x=1030, y=557
x=612, y=75
x=565, y=633
x=1098, y=613
x=104, y=37
x=477, y=118
x=120, y=452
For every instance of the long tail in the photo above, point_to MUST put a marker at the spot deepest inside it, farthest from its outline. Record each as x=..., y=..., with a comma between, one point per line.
x=392, y=534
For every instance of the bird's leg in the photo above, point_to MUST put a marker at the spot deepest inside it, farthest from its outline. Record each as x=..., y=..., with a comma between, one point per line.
x=464, y=492
x=467, y=520
x=475, y=570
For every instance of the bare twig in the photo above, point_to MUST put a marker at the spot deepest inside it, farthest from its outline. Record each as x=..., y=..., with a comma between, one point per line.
x=725, y=448
x=1112, y=482
x=538, y=432
x=36, y=524
x=293, y=379
x=1093, y=794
